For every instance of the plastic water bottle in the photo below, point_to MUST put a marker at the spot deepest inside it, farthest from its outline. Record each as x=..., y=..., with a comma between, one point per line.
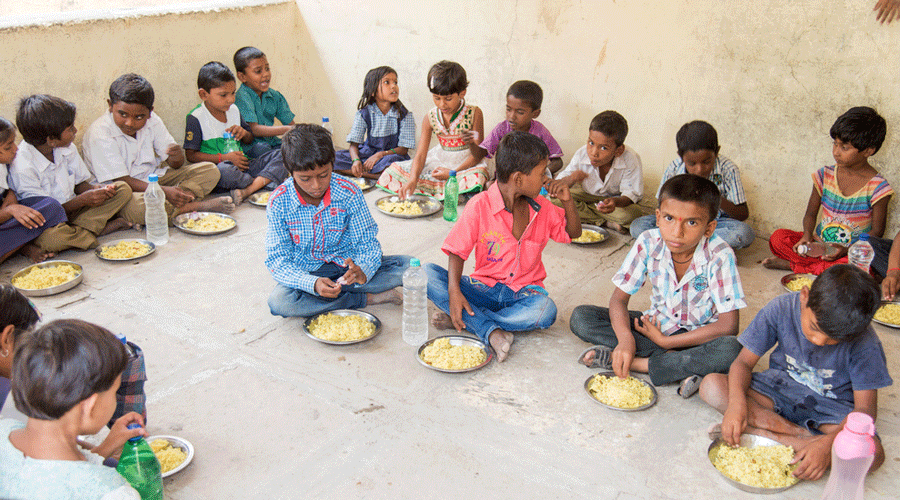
x=451, y=197
x=139, y=466
x=155, y=217
x=326, y=124
x=851, y=456
x=861, y=253
x=415, y=304
x=231, y=144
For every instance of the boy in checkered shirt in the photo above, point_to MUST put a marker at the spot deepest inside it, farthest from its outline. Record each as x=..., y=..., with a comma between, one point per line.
x=689, y=330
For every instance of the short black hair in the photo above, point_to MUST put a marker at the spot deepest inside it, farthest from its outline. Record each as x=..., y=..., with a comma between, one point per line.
x=844, y=299
x=696, y=136
x=446, y=78
x=611, y=124
x=16, y=310
x=244, y=55
x=131, y=88
x=63, y=363
x=528, y=91
x=306, y=147
x=519, y=152
x=862, y=127
x=41, y=117
x=691, y=188
x=213, y=75
x=7, y=130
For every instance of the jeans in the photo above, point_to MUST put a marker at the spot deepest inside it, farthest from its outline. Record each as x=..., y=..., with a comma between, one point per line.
x=591, y=324
x=288, y=302
x=269, y=165
x=736, y=233
x=496, y=307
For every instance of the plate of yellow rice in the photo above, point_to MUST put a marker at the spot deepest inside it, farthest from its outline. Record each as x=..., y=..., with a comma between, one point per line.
x=174, y=453
x=758, y=465
x=123, y=250
x=260, y=199
x=341, y=327
x=888, y=314
x=795, y=282
x=48, y=278
x=629, y=394
x=205, y=223
x=591, y=235
x=412, y=207
x=454, y=354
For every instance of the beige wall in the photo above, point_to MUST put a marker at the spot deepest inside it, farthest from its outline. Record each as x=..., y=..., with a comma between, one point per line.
x=770, y=75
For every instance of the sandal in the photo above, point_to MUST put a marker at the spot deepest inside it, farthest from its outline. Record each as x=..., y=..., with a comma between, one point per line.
x=689, y=386
x=602, y=357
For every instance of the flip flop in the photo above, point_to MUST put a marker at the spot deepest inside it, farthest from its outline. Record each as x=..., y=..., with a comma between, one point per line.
x=602, y=357
x=689, y=386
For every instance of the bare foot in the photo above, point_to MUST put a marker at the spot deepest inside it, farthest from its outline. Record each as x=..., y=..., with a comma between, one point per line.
x=35, y=253
x=237, y=196
x=441, y=321
x=114, y=225
x=501, y=342
x=776, y=263
x=222, y=204
x=616, y=227
x=392, y=296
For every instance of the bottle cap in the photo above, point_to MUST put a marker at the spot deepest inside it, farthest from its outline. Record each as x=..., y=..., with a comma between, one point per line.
x=324, y=119
x=122, y=338
x=414, y=262
x=855, y=439
x=225, y=135
x=134, y=426
x=153, y=178
x=453, y=173
x=864, y=237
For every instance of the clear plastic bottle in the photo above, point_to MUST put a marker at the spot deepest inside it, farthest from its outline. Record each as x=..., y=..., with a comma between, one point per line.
x=231, y=144
x=817, y=249
x=139, y=466
x=861, y=253
x=155, y=217
x=451, y=197
x=852, y=454
x=326, y=124
x=415, y=304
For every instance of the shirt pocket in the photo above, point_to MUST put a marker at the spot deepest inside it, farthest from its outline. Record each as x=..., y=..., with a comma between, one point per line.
x=529, y=256
x=334, y=232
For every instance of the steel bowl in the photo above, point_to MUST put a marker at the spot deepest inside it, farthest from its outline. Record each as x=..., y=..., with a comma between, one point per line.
x=885, y=323
x=457, y=340
x=430, y=206
x=790, y=277
x=652, y=402
x=747, y=441
x=604, y=234
x=53, y=290
x=181, y=219
x=177, y=442
x=343, y=312
x=100, y=248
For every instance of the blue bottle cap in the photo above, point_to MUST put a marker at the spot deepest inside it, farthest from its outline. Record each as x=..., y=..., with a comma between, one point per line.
x=864, y=237
x=414, y=262
x=453, y=173
x=153, y=178
x=324, y=119
x=134, y=426
x=122, y=338
x=544, y=191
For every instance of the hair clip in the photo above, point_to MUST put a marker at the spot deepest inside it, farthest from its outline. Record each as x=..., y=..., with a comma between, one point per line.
x=36, y=310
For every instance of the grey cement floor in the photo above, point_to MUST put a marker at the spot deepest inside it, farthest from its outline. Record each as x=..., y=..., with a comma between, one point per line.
x=274, y=414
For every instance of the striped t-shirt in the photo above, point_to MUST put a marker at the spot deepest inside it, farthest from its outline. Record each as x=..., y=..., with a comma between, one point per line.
x=846, y=217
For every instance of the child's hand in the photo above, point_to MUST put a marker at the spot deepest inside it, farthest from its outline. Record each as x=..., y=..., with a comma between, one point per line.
x=558, y=190
x=441, y=173
x=622, y=356
x=175, y=154
x=458, y=302
x=652, y=329
x=408, y=189
x=97, y=196
x=733, y=424
x=327, y=288
x=373, y=160
x=891, y=284
x=239, y=133
x=831, y=254
x=606, y=206
x=888, y=10
x=238, y=159
x=804, y=240
x=353, y=275
x=177, y=196
x=119, y=433
x=814, y=459
x=357, y=168
x=27, y=216
x=471, y=137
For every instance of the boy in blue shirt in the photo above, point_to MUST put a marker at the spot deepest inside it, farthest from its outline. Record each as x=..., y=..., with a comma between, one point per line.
x=320, y=241
x=828, y=363
x=259, y=105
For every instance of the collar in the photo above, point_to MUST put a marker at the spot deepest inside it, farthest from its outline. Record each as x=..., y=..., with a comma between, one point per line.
x=326, y=200
x=36, y=158
x=495, y=201
x=661, y=251
x=115, y=131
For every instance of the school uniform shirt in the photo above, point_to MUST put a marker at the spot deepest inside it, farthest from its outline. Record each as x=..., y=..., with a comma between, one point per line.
x=832, y=371
x=110, y=153
x=384, y=125
x=32, y=174
x=486, y=227
x=263, y=109
x=300, y=237
x=4, y=184
x=203, y=132
x=725, y=175
x=709, y=287
x=625, y=177
x=492, y=141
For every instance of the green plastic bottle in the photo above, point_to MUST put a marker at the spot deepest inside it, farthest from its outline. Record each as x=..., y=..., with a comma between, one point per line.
x=139, y=466
x=451, y=197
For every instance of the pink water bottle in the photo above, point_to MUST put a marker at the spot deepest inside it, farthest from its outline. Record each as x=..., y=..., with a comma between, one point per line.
x=851, y=456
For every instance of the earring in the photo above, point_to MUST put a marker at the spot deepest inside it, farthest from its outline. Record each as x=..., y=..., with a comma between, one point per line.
x=5, y=353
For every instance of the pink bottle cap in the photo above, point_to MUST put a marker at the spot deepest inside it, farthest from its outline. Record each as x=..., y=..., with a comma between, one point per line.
x=855, y=440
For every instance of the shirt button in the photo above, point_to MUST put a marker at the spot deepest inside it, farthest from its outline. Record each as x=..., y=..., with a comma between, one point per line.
x=510, y=274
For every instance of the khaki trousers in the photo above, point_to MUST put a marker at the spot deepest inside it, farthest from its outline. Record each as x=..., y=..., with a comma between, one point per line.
x=198, y=178
x=84, y=225
x=584, y=203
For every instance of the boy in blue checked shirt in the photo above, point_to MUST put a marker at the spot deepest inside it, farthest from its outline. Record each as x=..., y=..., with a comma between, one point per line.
x=689, y=330
x=320, y=242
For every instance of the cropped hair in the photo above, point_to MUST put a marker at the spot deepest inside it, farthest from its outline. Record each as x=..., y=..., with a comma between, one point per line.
x=695, y=136
x=244, y=55
x=447, y=77
x=691, y=188
x=519, y=152
x=862, y=127
x=7, y=130
x=528, y=91
x=844, y=299
x=370, y=87
x=41, y=117
x=132, y=89
x=63, y=363
x=612, y=125
x=16, y=310
x=307, y=147
x=212, y=75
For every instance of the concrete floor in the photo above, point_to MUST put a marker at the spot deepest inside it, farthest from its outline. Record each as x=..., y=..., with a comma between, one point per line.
x=274, y=414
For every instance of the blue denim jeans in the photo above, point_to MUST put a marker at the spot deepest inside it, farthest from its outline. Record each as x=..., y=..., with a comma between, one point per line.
x=734, y=232
x=496, y=307
x=288, y=302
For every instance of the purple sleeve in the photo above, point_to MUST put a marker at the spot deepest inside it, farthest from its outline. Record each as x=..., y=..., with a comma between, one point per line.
x=492, y=141
x=552, y=145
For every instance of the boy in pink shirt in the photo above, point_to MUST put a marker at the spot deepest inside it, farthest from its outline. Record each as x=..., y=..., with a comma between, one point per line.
x=508, y=226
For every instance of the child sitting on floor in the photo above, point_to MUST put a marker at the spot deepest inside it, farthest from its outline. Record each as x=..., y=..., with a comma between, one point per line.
x=508, y=226
x=383, y=129
x=320, y=240
x=260, y=105
x=523, y=106
x=828, y=362
x=48, y=164
x=458, y=127
x=64, y=379
x=689, y=330
x=698, y=154
x=857, y=135
x=21, y=221
x=605, y=176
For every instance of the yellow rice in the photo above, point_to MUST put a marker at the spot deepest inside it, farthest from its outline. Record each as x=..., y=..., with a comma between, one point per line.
x=797, y=284
x=622, y=393
x=588, y=236
x=209, y=223
x=760, y=466
x=39, y=278
x=336, y=328
x=889, y=313
x=169, y=456
x=442, y=355
x=401, y=207
x=125, y=250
